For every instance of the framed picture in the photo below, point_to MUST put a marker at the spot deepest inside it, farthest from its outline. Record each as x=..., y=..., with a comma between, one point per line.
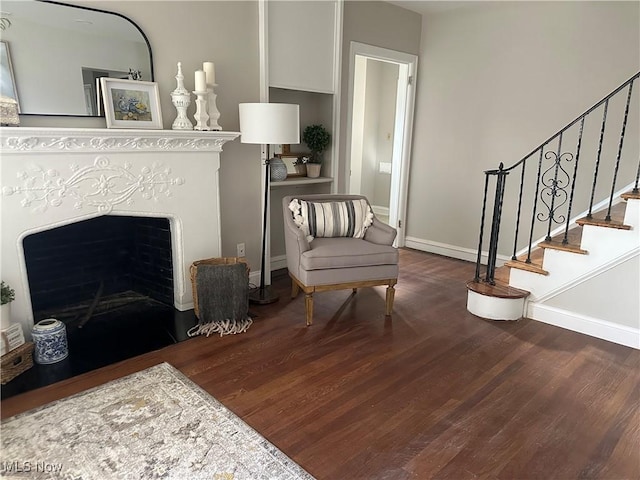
x=290, y=160
x=131, y=103
x=7, y=82
x=280, y=149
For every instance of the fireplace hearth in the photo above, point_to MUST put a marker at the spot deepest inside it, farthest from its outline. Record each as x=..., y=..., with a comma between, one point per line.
x=126, y=332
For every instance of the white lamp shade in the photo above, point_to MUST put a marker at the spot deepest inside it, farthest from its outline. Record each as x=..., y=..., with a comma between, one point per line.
x=269, y=123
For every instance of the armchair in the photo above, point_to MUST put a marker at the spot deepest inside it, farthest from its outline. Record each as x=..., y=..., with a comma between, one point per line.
x=341, y=262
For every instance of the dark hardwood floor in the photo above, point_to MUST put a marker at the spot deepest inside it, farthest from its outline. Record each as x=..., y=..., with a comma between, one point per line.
x=433, y=392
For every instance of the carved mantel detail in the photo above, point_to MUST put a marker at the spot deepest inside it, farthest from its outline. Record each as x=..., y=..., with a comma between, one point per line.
x=79, y=140
x=101, y=185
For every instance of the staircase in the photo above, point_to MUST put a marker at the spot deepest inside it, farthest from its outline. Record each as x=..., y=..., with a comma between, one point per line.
x=582, y=271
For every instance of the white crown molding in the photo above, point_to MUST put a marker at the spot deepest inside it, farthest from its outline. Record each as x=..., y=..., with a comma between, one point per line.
x=49, y=140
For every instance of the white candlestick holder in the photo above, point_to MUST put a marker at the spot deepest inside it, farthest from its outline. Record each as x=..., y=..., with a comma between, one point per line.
x=212, y=109
x=181, y=99
x=201, y=115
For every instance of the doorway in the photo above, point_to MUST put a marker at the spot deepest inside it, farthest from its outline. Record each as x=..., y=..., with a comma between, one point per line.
x=380, y=120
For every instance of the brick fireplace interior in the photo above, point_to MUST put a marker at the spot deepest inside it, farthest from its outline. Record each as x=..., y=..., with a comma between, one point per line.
x=110, y=280
x=92, y=261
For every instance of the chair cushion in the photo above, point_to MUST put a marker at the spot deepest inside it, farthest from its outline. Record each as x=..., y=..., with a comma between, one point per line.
x=341, y=252
x=347, y=218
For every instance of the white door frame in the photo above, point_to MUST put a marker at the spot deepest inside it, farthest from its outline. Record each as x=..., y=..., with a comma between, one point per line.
x=405, y=102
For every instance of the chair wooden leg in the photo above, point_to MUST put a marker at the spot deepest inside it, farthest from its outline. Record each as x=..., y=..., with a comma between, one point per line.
x=295, y=288
x=389, y=300
x=308, y=303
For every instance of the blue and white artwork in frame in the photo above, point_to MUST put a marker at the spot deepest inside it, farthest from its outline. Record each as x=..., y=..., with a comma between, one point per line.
x=131, y=103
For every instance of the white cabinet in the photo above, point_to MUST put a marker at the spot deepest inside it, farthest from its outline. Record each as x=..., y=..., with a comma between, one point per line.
x=303, y=44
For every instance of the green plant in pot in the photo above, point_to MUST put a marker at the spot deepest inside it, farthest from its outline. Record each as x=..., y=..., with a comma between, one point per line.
x=7, y=295
x=317, y=139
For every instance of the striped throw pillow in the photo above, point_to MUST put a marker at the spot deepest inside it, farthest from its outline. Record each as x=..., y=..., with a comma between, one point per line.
x=348, y=218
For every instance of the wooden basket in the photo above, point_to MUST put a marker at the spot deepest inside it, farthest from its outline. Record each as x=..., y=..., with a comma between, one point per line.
x=210, y=261
x=17, y=361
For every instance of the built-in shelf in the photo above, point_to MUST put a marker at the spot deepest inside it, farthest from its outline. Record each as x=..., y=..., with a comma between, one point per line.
x=291, y=181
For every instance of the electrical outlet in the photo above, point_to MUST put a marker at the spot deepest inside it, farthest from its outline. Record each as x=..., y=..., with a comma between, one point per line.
x=240, y=249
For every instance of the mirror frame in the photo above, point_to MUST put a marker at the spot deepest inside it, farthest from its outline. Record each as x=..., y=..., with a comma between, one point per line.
x=151, y=74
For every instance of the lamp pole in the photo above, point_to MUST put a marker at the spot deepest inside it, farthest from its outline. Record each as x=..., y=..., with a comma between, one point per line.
x=264, y=294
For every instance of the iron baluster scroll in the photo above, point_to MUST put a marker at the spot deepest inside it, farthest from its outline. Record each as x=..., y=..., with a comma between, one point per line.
x=555, y=181
x=560, y=183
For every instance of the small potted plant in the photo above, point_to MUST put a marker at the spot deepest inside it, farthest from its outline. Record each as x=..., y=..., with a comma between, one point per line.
x=7, y=295
x=317, y=139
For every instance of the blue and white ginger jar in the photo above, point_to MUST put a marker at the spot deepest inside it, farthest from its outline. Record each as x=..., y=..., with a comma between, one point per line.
x=50, y=339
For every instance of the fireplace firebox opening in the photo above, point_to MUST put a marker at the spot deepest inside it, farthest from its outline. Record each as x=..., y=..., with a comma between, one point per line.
x=92, y=267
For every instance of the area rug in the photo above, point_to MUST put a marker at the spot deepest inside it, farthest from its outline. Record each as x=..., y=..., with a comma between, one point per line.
x=153, y=424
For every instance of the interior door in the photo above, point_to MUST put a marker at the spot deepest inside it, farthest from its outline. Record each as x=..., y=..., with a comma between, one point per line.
x=379, y=129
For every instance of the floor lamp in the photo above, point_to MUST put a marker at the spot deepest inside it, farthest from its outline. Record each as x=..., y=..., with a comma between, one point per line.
x=268, y=124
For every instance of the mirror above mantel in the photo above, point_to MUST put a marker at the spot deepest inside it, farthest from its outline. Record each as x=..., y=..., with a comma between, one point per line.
x=57, y=52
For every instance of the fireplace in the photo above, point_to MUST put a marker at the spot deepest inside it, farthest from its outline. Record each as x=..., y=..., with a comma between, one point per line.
x=56, y=181
x=90, y=267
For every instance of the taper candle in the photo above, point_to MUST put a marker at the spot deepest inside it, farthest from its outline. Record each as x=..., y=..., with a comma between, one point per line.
x=201, y=81
x=210, y=72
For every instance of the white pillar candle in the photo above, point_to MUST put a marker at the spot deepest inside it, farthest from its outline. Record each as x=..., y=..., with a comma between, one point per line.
x=210, y=71
x=201, y=81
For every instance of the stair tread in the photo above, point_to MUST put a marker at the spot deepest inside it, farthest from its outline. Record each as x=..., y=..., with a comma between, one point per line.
x=601, y=222
x=574, y=236
x=616, y=221
x=531, y=266
x=565, y=247
x=502, y=275
x=631, y=195
x=499, y=290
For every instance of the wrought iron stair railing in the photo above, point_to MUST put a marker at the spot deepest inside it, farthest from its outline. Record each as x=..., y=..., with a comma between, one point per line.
x=565, y=180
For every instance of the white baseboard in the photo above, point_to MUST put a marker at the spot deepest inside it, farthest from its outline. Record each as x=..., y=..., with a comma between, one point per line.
x=594, y=327
x=452, y=251
x=278, y=262
x=254, y=278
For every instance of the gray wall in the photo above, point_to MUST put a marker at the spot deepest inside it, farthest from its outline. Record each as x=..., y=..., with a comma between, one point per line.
x=495, y=80
x=225, y=32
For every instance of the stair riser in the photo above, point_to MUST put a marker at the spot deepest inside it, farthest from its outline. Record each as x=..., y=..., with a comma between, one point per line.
x=632, y=214
x=493, y=308
x=608, y=241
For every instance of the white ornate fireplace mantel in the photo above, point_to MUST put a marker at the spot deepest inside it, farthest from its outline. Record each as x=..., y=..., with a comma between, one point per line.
x=51, y=177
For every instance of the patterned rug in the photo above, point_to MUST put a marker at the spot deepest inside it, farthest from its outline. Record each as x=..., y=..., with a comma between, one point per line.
x=153, y=424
